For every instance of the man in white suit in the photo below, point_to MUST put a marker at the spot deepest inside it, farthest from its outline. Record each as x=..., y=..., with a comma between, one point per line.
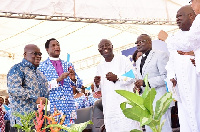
x=152, y=63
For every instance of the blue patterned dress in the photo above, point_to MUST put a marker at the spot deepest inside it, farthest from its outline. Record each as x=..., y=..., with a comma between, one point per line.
x=81, y=102
x=92, y=100
x=25, y=84
x=62, y=96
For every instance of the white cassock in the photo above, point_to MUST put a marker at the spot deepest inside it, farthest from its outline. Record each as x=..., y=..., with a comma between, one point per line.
x=191, y=41
x=188, y=83
x=114, y=119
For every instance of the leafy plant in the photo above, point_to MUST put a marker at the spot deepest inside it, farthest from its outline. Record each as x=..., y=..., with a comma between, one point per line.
x=26, y=121
x=142, y=107
x=73, y=128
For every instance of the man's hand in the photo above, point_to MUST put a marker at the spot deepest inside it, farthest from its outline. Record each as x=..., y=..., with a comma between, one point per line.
x=62, y=76
x=193, y=61
x=139, y=83
x=185, y=53
x=111, y=77
x=97, y=80
x=72, y=75
x=41, y=98
x=174, y=82
x=136, y=89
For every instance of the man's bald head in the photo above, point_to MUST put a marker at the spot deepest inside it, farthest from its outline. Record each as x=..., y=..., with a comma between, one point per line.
x=29, y=47
x=32, y=54
x=184, y=18
x=105, y=48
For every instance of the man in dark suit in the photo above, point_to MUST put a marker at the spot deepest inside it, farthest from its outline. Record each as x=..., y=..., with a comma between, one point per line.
x=152, y=63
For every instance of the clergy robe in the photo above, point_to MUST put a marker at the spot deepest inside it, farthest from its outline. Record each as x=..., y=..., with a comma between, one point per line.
x=114, y=119
x=191, y=41
x=181, y=68
x=61, y=97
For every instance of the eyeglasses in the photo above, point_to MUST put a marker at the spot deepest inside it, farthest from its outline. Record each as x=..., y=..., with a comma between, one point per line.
x=35, y=53
x=190, y=1
x=141, y=41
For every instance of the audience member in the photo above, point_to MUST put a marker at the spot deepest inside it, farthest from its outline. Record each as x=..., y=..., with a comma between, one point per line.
x=108, y=80
x=80, y=99
x=61, y=75
x=152, y=63
x=2, y=124
x=27, y=86
x=182, y=73
x=2, y=113
x=1, y=100
x=7, y=114
x=93, y=97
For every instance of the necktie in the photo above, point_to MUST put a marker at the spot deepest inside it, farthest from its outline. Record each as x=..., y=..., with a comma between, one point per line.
x=58, y=66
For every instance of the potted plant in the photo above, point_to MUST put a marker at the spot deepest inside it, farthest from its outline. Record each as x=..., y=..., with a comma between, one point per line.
x=141, y=109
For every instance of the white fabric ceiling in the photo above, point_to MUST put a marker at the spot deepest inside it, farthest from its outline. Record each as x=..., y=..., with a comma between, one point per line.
x=80, y=39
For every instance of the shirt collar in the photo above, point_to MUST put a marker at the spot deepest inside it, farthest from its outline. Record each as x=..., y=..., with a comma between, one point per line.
x=27, y=63
x=51, y=58
x=146, y=53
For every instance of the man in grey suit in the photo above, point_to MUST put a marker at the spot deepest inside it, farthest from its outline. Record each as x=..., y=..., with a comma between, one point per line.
x=152, y=63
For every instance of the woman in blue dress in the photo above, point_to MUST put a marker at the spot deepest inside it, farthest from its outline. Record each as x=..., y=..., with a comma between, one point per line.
x=80, y=99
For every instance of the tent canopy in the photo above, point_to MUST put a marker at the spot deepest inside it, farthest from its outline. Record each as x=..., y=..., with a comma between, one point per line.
x=79, y=25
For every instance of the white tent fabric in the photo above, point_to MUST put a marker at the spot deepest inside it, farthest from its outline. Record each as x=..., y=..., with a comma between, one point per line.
x=104, y=9
x=77, y=38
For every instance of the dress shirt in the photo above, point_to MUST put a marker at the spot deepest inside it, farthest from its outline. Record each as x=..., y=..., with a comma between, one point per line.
x=59, y=69
x=25, y=84
x=144, y=57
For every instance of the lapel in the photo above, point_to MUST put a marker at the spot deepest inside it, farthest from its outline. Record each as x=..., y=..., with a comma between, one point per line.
x=138, y=68
x=51, y=69
x=65, y=69
x=146, y=63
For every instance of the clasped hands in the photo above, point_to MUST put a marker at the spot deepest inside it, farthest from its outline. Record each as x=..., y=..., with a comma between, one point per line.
x=64, y=75
x=109, y=76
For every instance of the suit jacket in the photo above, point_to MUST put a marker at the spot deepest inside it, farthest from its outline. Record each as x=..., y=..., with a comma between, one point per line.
x=154, y=66
x=61, y=97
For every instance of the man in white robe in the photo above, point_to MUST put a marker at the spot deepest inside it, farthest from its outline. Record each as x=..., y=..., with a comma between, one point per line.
x=108, y=80
x=181, y=72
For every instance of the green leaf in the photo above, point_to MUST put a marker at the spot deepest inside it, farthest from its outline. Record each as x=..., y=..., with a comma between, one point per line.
x=147, y=89
x=129, y=113
x=148, y=101
x=73, y=128
x=135, y=130
x=123, y=105
x=132, y=97
x=135, y=113
x=160, y=129
x=18, y=126
x=162, y=105
x=154, y=123
x=145, y=121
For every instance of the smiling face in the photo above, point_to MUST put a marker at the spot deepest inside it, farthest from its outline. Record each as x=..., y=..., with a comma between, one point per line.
x=32, y=54
x=105, y=48
x=144, y=43
x=54, y=49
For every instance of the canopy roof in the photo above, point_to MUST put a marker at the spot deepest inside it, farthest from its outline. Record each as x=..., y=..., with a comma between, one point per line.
x=79, y=25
